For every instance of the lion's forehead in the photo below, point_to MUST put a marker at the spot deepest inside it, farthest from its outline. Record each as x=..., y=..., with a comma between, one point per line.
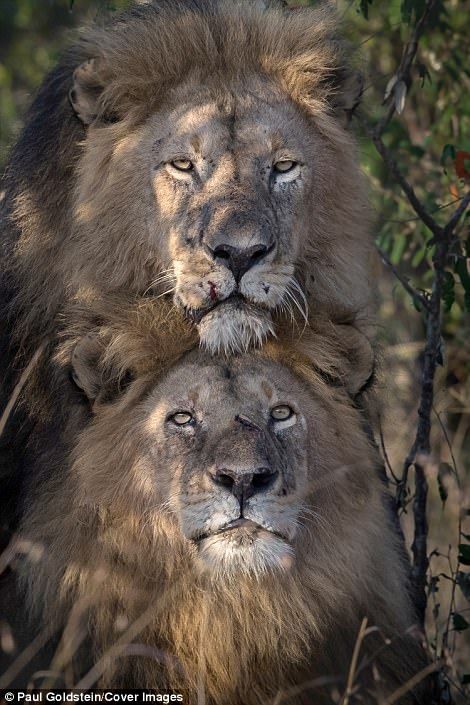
x=223, y=388
x=250, y=123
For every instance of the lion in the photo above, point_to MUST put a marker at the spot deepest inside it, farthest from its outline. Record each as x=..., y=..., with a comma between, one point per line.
x=197, y=149
x=218, y=528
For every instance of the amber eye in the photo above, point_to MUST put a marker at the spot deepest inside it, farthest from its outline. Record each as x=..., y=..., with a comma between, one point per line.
x=182, y=164
x=181, y=418
x=281, y=412
x=284, y=165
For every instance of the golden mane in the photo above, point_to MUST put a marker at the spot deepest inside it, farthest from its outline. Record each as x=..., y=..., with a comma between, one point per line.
x=137, y=61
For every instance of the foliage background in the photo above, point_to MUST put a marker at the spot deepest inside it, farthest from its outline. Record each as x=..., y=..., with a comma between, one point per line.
x=430, y=141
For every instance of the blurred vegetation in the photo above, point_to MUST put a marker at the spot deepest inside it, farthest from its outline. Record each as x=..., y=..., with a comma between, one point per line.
x=429, y=137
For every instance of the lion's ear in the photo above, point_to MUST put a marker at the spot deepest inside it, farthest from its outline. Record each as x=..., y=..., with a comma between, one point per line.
x=101, y=380
x=360, y=360
x=339, y=353
x=86, y=367
x=85, y=92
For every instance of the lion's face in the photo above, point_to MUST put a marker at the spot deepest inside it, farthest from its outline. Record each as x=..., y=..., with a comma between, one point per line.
x=218, y=453
x=221, y=186
x=232, y=175
x=227, y=449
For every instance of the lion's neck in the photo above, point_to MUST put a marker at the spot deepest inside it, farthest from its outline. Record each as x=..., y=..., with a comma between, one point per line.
x=223, y=637
x=242, y=641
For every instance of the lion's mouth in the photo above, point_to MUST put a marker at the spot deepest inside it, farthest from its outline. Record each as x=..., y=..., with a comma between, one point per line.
x=236, y=300
x=239, y=526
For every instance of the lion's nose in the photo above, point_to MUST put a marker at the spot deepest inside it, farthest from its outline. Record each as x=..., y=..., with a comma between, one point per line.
x=240, y=259
x=243, y=484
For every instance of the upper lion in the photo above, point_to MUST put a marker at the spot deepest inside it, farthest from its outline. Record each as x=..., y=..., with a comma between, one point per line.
x=200, y=150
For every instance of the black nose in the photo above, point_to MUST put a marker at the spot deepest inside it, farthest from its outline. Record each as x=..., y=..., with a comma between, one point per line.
x=240, y=259
x=244, y=484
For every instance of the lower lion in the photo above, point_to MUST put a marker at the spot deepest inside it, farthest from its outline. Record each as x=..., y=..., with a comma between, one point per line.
x=221, y=529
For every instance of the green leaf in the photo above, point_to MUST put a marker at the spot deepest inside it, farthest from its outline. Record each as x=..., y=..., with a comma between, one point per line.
x=416, y=150
x=445, y=471
x=460, y=623
x=423, y=73
x=447, y=153
x=394, y=10
x=364, y=7
x=464, y=553
x=399, y=93
x=419, y=255
x=463, y=581
x=398, y=248
x=411, y=9
x=406, y=10
x=461, y=268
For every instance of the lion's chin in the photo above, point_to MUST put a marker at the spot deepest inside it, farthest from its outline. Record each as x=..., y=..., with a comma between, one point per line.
x=234, y=327
x=227, y=555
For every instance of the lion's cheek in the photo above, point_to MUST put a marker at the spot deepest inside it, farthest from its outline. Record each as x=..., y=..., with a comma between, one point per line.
x=275, y=516
x=206, y=517
x=197, y=288
x=266, y=287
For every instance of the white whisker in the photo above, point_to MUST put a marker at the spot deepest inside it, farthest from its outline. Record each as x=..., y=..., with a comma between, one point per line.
x=297, y=305
x=166, y=276
x=301, y=306
x=168, y=291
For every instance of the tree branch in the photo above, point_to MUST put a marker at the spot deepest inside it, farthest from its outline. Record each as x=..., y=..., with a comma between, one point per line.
x=443, y=238
x=414, y=293
x=407, y=189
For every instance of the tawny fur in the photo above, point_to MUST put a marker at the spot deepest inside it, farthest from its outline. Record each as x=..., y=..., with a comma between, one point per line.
x=128, y=334
x=116, y=556
x=79, y=222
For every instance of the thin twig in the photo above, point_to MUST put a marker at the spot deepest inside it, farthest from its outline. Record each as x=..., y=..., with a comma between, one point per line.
x=353, y=666
x=384, y=452
x=416, y=218
x=20, y=384
x=454, y=221
x=393, y=168
x=414, y=293
x=409, y=685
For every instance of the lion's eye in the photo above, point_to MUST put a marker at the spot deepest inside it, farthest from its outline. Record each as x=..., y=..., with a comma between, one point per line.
x=182, y=164
x=284, y=165
x=181, y=418
x=281, y=412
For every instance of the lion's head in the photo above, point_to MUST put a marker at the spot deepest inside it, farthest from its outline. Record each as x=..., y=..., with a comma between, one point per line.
x=230, y=450
x=216, y=166
x=226, y=443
